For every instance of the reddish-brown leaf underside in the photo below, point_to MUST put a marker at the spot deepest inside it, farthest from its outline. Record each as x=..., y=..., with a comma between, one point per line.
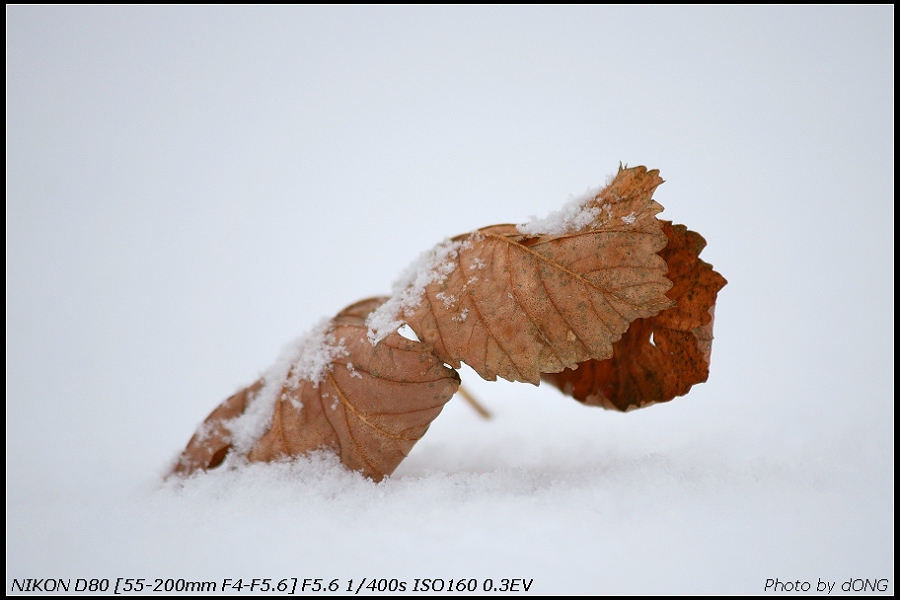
x=371, y=407
x=660, y=357
x=515, y=306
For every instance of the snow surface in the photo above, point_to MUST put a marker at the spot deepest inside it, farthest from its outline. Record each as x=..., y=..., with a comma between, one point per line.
x=578, y=500
x=190, y=187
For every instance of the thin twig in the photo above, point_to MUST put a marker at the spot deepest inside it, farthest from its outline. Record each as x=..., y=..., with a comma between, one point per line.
x=474, y=403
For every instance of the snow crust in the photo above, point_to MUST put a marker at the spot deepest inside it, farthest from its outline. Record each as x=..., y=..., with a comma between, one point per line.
x=307, y=358
x=432, y=266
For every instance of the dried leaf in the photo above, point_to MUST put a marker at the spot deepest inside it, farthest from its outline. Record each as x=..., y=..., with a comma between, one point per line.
x=661, y=357
x=601, y=299
x=515, y=305
x=212, y=441
x=370, y=407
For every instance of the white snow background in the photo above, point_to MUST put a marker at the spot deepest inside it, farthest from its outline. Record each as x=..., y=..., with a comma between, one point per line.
x=189, y=189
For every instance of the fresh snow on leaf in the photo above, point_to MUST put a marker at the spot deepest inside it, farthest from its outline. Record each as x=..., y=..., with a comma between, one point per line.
x=314, y=353
x=575, y=215
x=432, y=266
x=305, y=359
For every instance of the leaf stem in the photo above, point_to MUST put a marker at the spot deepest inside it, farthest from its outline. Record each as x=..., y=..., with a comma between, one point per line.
x=468, y=397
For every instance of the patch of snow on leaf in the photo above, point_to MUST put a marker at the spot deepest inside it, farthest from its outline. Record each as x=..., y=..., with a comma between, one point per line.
x=574, y=216
x=203, y=431
x=305, y=359
x=432, y=266
x=462, y=316
x=353, y=371
x=448, y=299
x=629, y=218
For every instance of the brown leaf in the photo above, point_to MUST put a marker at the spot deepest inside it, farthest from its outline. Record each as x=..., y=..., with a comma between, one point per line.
x=212, y=441
x=661, y=357
x=515, y=305
x=370, y=405
x=602, y=299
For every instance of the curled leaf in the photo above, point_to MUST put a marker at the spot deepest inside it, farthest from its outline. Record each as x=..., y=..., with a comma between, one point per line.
x=660, y=357
x=516, y=302
x=369, y=405
x=601, y=299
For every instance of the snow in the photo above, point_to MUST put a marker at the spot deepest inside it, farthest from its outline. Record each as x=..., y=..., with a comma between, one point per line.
x=353, y=372
x=310, y=356
x=547, y=489
x=575, y=215
x=461, y=317
x=305, y=359
x=432, y=266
